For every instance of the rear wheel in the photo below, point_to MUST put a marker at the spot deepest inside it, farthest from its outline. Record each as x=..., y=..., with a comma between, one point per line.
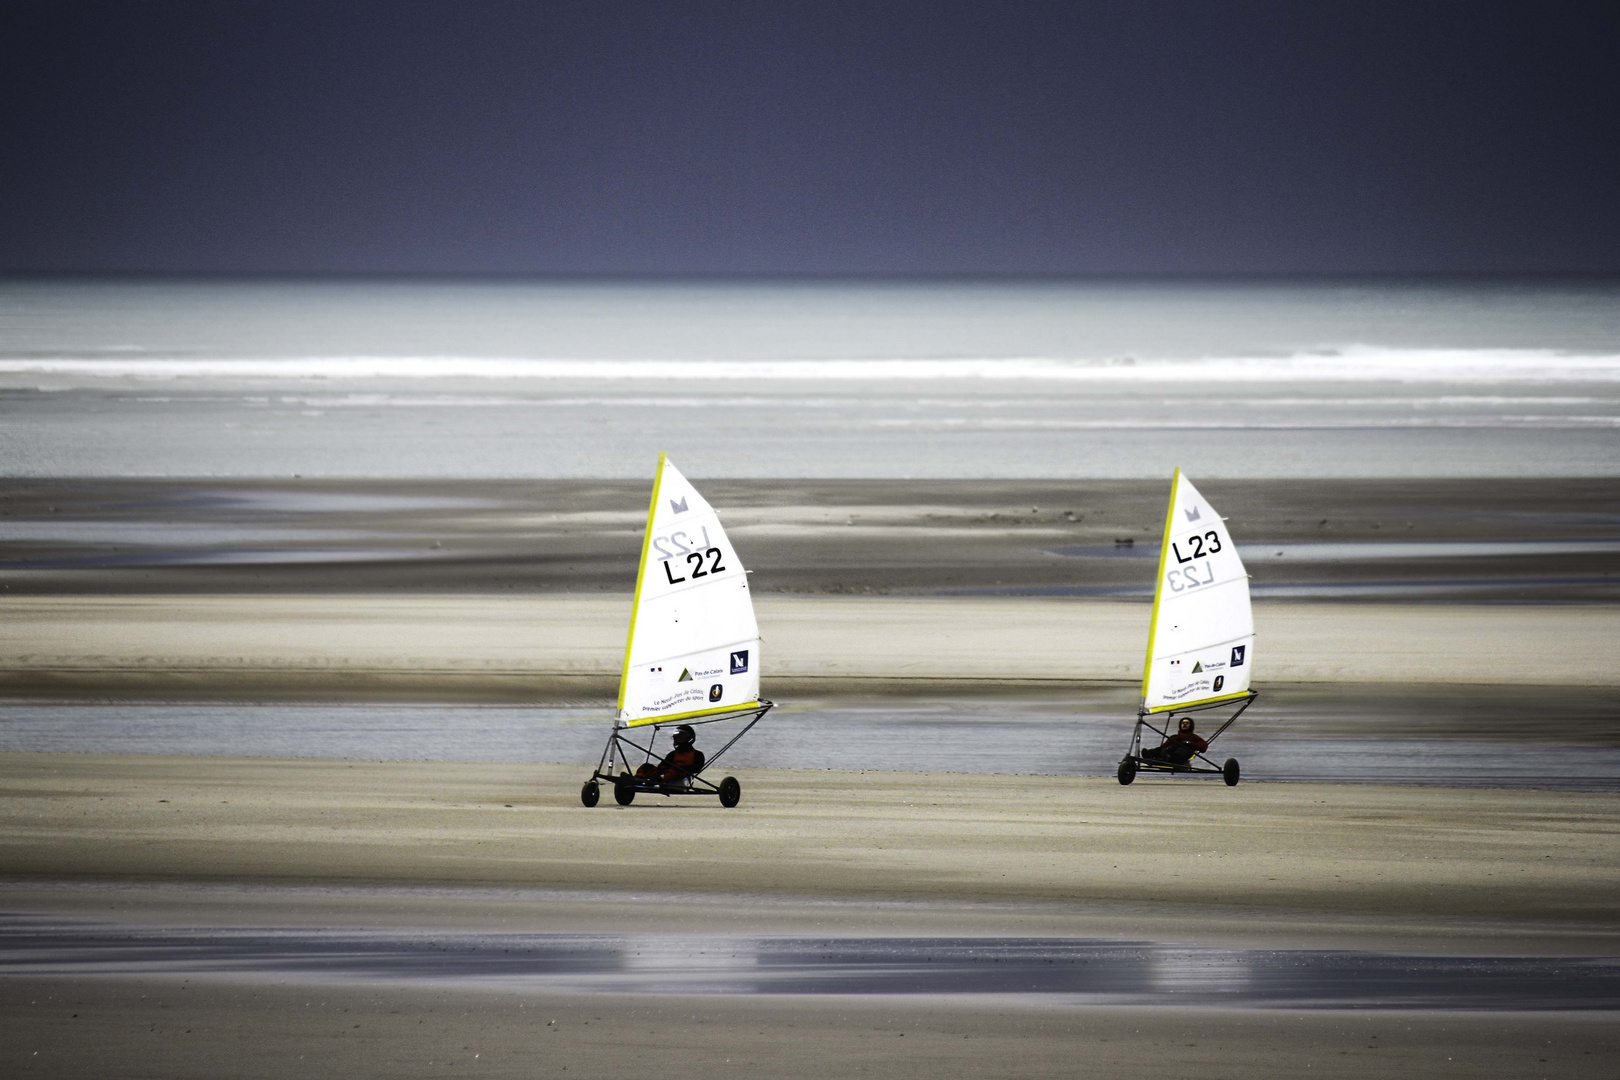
x=1127, y=770
x=730, y=792
x=1230, y=771
x=624, y=790
x=590, y=793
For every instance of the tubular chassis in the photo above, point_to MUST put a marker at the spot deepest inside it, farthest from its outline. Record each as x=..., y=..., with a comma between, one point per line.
x=614, y=766
x=1133, y=761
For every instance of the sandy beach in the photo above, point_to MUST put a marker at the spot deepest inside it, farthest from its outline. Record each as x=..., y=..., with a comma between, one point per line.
x=1443, y=861
x=505, y=590
x=203, y=1028
x=551, y=647
x=1490, y=621
x=148, y=842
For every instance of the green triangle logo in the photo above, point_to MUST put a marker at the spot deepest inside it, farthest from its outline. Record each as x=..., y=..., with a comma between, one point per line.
x=1196, y=669
x=686, y=676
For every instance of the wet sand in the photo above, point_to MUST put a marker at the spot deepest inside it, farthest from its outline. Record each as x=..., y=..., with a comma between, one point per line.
x=1079, y=972
x=821, y=537
x=1440, y=861
x=1315, y=734
x=214, y=842
x=204, y=1028
x=151, y=842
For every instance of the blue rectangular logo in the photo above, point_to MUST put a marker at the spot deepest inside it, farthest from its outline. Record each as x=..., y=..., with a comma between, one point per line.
x=1237, y=655
x=739, y=662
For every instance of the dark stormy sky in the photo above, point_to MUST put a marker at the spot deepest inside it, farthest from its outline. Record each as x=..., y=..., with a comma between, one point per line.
x=815, y=138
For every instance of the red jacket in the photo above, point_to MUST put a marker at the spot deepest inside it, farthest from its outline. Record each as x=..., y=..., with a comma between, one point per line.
x=1186, y=738
x=683, y=761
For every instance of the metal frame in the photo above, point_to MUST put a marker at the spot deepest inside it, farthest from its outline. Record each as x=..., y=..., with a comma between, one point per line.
x=615, y=753
x=1134, y=754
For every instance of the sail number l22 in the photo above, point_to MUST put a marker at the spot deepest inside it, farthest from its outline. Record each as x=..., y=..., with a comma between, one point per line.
x=695, y=561
x=694, y=554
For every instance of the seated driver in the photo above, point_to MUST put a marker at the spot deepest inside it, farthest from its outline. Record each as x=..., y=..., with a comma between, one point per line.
x=683, y=761
x=1179, y=748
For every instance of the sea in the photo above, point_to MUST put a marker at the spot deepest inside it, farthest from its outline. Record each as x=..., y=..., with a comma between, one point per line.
x=879, y=378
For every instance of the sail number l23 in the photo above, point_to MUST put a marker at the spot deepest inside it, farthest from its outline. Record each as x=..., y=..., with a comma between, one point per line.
x=1196, y=544
x=1188, y=578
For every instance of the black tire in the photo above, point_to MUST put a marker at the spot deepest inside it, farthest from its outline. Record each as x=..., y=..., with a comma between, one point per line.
x=590, y=793
x=1127, y=771
x=730, y=792
x=624, y=790
x=1230, y=771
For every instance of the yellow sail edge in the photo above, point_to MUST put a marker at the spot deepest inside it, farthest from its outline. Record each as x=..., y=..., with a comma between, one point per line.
x=641, y=573
x=1158, y=584
x=670, y=719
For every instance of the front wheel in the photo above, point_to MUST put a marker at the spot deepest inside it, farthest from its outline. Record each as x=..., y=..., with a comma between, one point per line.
x=1127, y=770
x=624, y=790
x=730, y=792
x=1230, y=771
x=590, y=793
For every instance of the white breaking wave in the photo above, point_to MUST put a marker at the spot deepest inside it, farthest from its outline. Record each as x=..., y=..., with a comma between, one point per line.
x=1360, y=363
x=1014, y=423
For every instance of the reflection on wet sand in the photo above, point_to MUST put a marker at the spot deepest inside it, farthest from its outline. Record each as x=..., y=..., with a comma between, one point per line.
x=1307, y=734
x=1078, y=971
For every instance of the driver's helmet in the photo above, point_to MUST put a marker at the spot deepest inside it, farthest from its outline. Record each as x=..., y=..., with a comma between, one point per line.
x=685, y=736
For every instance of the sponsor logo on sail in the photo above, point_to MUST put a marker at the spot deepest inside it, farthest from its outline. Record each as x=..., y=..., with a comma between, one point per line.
x=1183, y=691
x=678, y=505
x=1192, y=514
x=739, y=662
x=686, y=675
x=1237, y=655
x=715, y=691
x=1220, y=681
x=1197, y=668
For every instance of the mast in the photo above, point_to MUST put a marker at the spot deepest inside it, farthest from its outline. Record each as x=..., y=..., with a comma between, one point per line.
x=641, y=574
x=1158, y=587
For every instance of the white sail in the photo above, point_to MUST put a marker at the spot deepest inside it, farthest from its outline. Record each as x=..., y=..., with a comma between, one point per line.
x=693, y=648
x=1201, y=641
